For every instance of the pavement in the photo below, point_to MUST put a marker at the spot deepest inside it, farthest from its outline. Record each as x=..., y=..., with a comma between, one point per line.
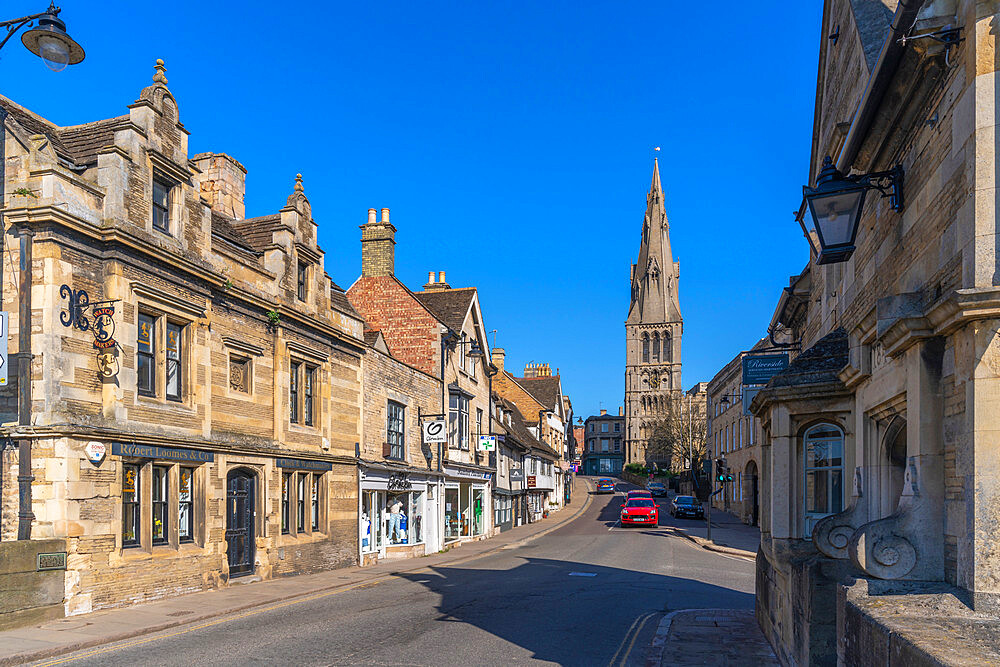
x=729, y=534
x=590, y=593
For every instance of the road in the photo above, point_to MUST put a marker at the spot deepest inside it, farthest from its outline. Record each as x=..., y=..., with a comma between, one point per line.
x=589, y=593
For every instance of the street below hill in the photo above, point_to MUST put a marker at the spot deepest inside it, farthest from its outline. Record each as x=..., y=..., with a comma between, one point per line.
x=588, y=593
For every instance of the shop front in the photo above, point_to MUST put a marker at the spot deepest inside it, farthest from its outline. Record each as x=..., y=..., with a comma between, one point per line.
x=397, y=517
x=466, y=504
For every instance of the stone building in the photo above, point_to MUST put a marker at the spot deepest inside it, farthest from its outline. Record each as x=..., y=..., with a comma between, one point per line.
x=879, y=454
x=192, y=404
x=542, y=405
x=510, y=489
x=396, y=470
x=652, y=330
x=604, y=449
x=440, y=332
x=733, y=435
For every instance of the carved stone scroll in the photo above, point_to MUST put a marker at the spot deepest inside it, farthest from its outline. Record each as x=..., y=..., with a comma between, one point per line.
x=832, y=534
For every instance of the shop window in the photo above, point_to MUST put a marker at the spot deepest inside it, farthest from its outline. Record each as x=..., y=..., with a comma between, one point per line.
x=174, y=374
x=300, y=503
x=293, y=391
x=823, y=447
x=239, y=374
x=458, y=421
x=394, y=429
x=452, y=515
x=315, y=502
x=477, y=511
x=185, y=514
x=145, y=356
x=161, y=205
x=131, y=509
x=159, y=506
x=403, y=522
x=285, y=508
x=301, y=281
x=371, y=510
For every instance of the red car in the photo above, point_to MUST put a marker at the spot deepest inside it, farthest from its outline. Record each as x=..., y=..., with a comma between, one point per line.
x=640, y=512
x=639, y=493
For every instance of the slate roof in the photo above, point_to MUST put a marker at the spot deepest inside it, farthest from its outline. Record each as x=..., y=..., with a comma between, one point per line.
x=76, y=144
x=258, y=232
x=371, y=335
x=819, y=364
x=518, y=428
x=223, y=226
x=873, y=18
x=545, y=389
x=338, y=299
x=450, y=306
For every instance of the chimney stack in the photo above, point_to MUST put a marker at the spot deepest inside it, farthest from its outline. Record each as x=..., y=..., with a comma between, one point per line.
x=437, y=286
x=498, y=357
x=603, y=412
x=378, y=246
x=621, y=411
x=222, y=182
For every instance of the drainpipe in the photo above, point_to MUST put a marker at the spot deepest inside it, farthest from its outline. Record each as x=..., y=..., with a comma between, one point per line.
x=24, y=477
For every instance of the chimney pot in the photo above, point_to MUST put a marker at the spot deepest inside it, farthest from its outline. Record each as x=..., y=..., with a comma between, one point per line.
x=603, y=412
x=621, y=411
x=441, y=277
x=430, y=276
x=371, y=216
x=385, y=216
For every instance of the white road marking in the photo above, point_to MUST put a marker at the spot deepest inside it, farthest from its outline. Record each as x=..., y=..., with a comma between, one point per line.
x=583, y=574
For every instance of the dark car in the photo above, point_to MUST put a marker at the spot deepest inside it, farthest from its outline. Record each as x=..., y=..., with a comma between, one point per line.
x=687, y=506
x=605, y=486
x=657, y=489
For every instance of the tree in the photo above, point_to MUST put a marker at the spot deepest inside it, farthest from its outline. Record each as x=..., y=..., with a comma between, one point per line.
x=679, y=433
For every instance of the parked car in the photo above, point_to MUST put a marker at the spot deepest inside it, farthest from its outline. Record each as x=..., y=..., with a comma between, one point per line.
x=657, y=489
x=640, y=512
x=605, y=486
x=638, y=493
x=687, y=506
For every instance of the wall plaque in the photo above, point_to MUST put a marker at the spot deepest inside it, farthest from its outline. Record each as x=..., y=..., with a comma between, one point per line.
x=52, y=561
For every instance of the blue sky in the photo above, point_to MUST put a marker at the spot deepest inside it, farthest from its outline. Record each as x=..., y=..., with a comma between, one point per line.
x=512, y=141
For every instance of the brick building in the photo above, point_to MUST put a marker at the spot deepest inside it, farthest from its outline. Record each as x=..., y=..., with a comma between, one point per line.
x=879, y=454
x=440, y=332
x=195, y=379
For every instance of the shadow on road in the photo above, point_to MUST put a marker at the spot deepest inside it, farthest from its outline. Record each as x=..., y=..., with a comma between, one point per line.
x=538, y=591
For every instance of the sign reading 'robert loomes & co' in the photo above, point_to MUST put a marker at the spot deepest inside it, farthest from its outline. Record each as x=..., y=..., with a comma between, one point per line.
x=166, y=453
x=760, y=368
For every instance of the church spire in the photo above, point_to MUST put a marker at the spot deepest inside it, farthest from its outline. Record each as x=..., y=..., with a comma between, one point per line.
x=654, y=275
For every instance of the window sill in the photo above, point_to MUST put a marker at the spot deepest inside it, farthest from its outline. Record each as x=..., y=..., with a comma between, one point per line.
x=164, y=403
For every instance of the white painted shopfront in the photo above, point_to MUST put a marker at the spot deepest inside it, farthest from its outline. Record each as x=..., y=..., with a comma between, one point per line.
x=398, y=513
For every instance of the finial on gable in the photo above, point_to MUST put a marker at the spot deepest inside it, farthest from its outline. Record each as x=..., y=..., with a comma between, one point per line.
x=298, y=183
x=160, y=77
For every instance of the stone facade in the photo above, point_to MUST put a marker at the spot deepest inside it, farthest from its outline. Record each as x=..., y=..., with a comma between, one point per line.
x=652, y=330
x=878, y=451
x=603, y=441
x=219, y=323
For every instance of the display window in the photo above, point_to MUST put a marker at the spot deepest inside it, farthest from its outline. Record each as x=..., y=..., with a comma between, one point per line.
x=391, y=518
x=463, y=511
x=452, y=520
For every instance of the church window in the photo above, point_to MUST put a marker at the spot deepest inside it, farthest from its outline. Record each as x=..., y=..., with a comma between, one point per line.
x=645, y=348
x=656, y=347
x=666, y=347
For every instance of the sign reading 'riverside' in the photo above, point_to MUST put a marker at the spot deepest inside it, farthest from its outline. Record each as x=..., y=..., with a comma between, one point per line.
x=760, y=368
x=154, y=452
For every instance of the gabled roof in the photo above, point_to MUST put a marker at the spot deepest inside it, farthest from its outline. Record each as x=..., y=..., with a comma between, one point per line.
x=76, y=144
x=450, y=305
x=545, y=390
x=519, y=430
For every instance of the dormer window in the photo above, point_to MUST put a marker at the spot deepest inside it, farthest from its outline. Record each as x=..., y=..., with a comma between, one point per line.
x=161, y=205
x=303, y=272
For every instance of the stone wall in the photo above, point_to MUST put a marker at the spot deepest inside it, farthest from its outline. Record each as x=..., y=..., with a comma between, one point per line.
x=28, y=596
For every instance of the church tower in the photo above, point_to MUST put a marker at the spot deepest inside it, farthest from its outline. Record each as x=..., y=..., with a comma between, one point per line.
x=653, y=329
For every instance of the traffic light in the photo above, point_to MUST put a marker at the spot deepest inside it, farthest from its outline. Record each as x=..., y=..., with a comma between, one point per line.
x=720, y=470
x=729, y=477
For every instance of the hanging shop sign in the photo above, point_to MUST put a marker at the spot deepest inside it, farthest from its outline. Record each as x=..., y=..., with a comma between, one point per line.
x=103, y=326
x=153, y=452
x=304, y=464
x=435, y=431
x=399, y=481
x=531, y=481
x=760, y=368
x=516, y=475
x=487, y=443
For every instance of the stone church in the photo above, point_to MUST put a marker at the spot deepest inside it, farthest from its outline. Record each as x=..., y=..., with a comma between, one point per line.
x=652, y=330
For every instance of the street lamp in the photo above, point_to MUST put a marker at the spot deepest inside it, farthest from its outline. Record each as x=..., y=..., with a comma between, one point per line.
x=836, y=202
x=47, y=39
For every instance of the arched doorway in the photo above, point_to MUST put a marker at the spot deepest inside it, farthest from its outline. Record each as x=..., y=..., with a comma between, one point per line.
x=894, y=464
x=241, y=487
x=752, y=491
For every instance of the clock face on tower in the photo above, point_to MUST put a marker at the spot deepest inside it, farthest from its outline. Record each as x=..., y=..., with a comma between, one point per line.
x=654, y=381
